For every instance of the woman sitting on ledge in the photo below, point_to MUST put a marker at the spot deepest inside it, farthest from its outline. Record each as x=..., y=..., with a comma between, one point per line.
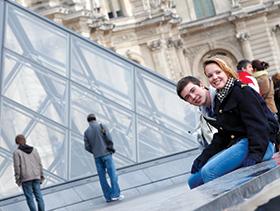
x=246, y=127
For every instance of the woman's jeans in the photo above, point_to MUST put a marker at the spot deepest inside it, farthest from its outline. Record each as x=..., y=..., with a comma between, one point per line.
x=224, y=162
x=33, y=187
x=103, y=164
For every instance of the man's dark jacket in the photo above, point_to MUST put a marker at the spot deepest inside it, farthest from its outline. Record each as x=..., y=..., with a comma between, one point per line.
x=94, y=140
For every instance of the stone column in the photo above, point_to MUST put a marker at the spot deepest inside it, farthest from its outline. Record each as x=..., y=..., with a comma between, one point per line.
x=178, y=61
x=159, y=58
x=187, y=69
x=276, y=38
x=243, y=37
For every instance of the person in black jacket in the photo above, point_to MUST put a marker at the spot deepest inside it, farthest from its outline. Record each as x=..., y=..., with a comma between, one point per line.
x=246, y=127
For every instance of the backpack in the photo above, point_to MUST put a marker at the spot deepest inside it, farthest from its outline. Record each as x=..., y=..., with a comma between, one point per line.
x=109, y=143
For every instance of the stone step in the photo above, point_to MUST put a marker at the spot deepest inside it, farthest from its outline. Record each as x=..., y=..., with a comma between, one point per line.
x=224, y=192
x=135, y=181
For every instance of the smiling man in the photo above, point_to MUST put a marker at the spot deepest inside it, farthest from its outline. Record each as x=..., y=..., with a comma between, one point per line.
x=191, y=90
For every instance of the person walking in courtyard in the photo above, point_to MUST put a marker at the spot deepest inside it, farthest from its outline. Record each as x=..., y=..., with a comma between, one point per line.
x=98, y=141
x=28, y=172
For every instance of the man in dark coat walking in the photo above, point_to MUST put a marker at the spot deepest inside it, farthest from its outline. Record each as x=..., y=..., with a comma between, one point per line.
x=98, y=141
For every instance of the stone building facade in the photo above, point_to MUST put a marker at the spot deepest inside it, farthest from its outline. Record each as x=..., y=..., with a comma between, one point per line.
x=173, y=37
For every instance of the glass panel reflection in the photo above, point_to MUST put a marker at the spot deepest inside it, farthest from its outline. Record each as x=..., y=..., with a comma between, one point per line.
x=51, y=144
x=48, y=139
x=81, y=161
x=157, y=100
x=13, y=121
x=119, y=121
x=1, y=23
x=7, y=181
x=155, y=141
x=36, y=40
x=11, y=41
x=105, y=74
x=33, y=88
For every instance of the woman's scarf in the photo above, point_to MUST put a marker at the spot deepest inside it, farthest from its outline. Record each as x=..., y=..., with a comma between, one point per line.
x=222, y=93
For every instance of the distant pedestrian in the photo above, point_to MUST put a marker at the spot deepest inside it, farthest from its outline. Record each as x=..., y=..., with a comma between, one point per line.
x=28, y=172
x=265, y=83
x=98, y=141
x=245, y=71
x=276, y=83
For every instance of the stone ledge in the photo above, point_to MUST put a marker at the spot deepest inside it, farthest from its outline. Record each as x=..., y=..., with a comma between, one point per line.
x=224, y=192
x=228, y=190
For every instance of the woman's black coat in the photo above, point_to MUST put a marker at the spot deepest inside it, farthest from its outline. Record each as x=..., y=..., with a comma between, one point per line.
x=242, y=113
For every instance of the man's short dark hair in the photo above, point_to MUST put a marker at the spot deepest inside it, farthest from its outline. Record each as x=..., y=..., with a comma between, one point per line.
x=91, y=117
x=183, y=82
x=20, y=139
x=242, y=64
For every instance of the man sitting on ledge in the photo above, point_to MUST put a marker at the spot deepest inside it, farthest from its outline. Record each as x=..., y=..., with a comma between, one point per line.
x=246, y=127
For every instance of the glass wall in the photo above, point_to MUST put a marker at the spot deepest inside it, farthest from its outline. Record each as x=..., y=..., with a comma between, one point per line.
x=51, y=79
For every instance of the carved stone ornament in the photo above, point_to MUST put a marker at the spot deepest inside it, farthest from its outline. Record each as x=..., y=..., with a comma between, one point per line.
x=169, y=43
x=177, y=43
x=276, y=28
x=191, y=52
x=155, y=45
x=235, y=3
x=101, y=24
x=162, y=4
x=242, y=36
x=154, y=4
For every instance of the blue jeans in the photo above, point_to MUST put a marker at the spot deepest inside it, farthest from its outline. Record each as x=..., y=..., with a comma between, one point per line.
x=224, y=162
x=104, y=163
x=33, y=187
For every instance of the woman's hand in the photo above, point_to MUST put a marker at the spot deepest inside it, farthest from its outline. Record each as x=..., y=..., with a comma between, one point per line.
x=197, y=165
x=248, y=162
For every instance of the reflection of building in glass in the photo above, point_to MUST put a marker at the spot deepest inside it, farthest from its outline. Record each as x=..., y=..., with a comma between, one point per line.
x=51, y=79
x=173, y=37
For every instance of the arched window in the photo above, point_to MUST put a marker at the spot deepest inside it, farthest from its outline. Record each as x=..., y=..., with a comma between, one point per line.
x=228, y=57
x=204, y=8
x=222, y=54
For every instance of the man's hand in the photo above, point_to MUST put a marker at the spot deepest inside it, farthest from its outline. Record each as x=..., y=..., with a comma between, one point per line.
x=42, y=179
x=18, y=180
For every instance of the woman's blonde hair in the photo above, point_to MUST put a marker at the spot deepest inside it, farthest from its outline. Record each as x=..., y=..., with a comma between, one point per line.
x=222, y=64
